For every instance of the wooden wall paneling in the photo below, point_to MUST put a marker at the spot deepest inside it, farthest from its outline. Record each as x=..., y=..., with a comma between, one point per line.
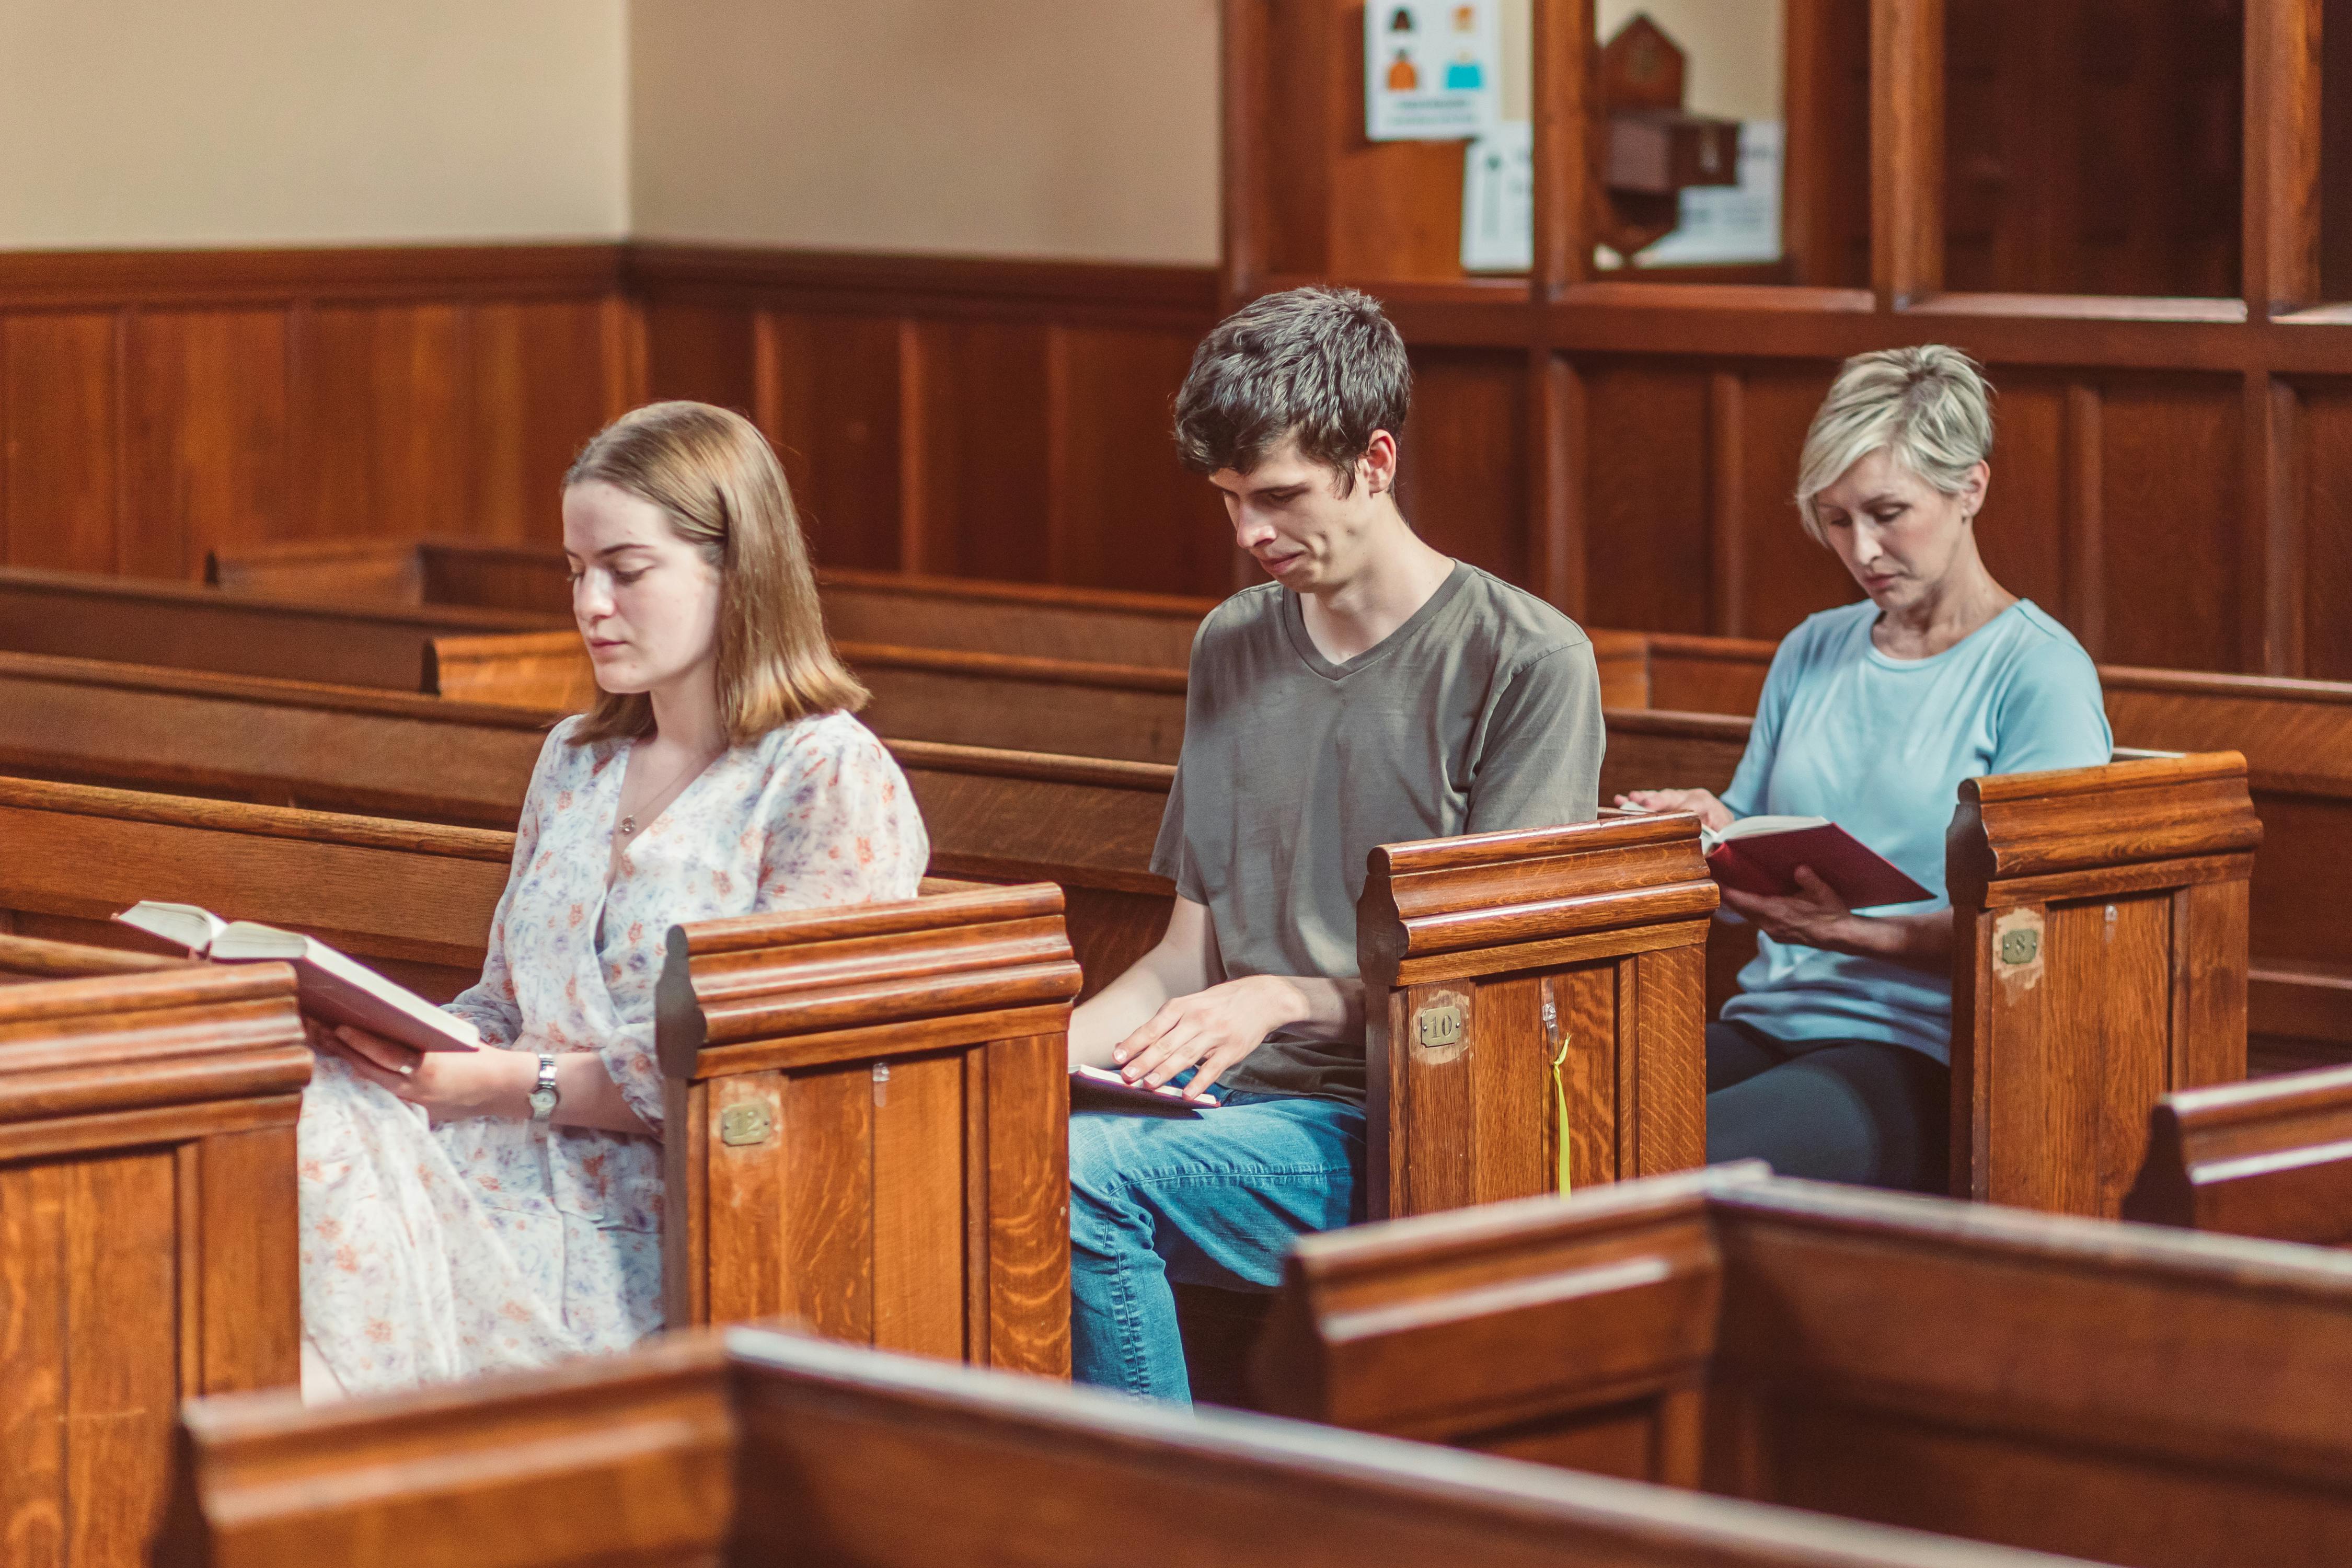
x=1726, y=503
x=1290, y=118
x=979, y=448
x=1465, y=469
x=388, y=395
x=207, y=427
x=1395, y=207
x=701, y=350
x=2281, y=150
x=1555, y=418
x=1646, y=564
x=2272, y=543
x=1562, y=36
x=2324, y=433
x=832, y=384
x=2021, y=531
x=538, y=393
x=1825, y=216
x=1787, y=576
x=1128, y=514
x=2083, y=456
x=60, y=481
x=2171, y=461
x=1907, y=150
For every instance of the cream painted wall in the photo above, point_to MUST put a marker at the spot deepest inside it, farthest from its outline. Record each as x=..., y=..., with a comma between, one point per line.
x=235, y=122
x=1062, y=128
x=1732, y=49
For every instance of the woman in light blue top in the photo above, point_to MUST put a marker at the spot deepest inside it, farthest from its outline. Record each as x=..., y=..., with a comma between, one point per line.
x=1833, y=1060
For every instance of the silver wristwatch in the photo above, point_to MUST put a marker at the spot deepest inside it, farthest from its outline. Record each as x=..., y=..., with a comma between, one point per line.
x=543, y=1095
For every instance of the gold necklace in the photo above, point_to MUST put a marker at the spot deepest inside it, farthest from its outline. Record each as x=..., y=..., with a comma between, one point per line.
x=629, y=819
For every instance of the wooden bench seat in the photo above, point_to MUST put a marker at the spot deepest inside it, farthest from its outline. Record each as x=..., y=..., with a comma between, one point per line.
x=148, y=1242
x=2123, y=1393
x=781, y=1450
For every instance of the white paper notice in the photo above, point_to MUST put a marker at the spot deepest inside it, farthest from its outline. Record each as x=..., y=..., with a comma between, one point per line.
x=1731, y=223
x=1433, y=70
x=1499, y=200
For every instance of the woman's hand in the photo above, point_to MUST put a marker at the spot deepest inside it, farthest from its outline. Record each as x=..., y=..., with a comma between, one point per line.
x=449, y=1085
x=1814, y=917
x=1711, y=812
x=1210, y=1030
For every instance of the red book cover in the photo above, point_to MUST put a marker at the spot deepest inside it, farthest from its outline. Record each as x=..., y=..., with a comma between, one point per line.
x=1766, y=862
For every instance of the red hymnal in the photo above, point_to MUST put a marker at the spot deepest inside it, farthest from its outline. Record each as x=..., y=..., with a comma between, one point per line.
x=1761, y=854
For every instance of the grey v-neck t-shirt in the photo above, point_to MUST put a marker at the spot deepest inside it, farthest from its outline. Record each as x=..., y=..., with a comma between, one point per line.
x=1480, y=712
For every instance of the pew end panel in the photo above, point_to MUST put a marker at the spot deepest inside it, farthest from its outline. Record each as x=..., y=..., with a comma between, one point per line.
x=868, y=1124
x=1488, y=959
x=148, y=1232
x=2099, y=961
x=1418, y=1329
x=2272, y=1158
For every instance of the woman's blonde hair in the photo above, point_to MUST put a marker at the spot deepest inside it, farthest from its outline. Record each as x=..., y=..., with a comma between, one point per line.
x=1930, y=407
x=714, y=476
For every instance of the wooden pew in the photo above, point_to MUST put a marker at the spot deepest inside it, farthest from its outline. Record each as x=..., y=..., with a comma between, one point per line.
x=2127, y=1394
x=2270, y=1158
x=810, y=1017
x=180, y=626
x=148, y=1237
x=781, y=1450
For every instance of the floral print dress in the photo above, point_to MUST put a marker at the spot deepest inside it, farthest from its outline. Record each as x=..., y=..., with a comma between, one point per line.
x=438, y=1252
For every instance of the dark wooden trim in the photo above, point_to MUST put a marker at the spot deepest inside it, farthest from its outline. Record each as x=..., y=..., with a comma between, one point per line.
x=1564, y=193
x=1907, y=148
x=2281, y=212
x=54, y=280
x=921, y=284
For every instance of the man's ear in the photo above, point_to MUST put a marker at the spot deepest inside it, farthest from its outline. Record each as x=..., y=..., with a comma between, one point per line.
x=1377, y=465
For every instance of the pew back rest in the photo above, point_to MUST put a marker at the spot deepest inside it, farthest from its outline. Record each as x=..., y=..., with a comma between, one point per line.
x=265, y=741
x=786, y=1450
x=2271, y=1157
x=413, y=900
x=184, y=627
x=2117, y=1393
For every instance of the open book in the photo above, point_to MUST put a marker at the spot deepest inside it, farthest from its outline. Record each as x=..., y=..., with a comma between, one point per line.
x=335, y=987
x=1761, y=854
x=1094, y=1088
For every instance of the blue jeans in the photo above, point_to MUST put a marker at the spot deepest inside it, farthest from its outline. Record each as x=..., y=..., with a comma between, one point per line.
x=1214, y=1198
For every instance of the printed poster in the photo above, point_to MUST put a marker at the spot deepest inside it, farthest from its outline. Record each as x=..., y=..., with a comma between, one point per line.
x=1499, y=200
x=1433, y=70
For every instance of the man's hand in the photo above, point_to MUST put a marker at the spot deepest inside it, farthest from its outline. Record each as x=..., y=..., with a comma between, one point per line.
x=450, y=1085
x=1711, y=812
x=1210, y=1030
x=1813, y=917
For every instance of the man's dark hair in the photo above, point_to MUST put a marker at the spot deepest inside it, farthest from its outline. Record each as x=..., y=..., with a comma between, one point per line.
x=1322, y=363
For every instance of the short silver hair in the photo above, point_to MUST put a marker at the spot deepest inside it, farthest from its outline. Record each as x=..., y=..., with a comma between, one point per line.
x=1930, y=407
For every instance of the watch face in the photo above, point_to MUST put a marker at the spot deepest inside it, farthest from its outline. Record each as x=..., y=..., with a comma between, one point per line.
x=543, y=1101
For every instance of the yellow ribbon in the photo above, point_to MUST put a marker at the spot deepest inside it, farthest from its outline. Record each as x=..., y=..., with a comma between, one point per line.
x=1559, y=1095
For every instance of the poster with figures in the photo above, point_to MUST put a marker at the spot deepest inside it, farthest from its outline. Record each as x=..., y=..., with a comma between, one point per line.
x=1499, y=200
x=1433, y=70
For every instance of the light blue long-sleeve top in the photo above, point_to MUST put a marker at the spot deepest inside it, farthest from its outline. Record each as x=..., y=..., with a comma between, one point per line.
x=1879, y=746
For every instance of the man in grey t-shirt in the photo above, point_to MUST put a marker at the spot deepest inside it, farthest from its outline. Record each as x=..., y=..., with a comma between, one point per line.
x=1375, y=692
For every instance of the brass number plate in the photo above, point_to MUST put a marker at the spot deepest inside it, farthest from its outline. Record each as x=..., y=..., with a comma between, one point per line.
x=747, y=1122
x=1440, y=1025
x=2019, y=946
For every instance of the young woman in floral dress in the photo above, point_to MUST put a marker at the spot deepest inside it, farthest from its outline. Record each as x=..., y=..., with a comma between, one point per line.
x=466, y=1211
